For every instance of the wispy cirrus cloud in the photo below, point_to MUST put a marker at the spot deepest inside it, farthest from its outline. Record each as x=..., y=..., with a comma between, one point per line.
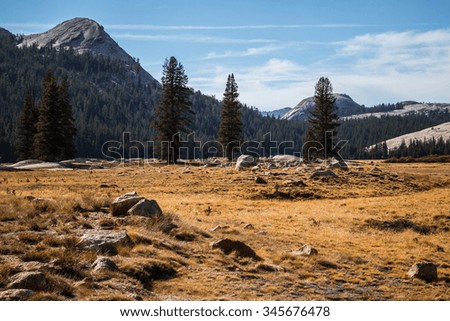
x=400, y=51
x=188, y=38
x=141, y=27
x=244, y=53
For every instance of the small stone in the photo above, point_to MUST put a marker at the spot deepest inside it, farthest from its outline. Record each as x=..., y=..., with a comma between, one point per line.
x=327, y=173
x=104, y=264
x=306, y=250
x=249, y=226
x=240, y=248
x=260, y=180
x=426, y=271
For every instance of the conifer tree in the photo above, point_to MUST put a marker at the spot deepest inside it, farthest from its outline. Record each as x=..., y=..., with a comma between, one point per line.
x=66, y=122
x=230, y=129
x=47, y=129
x=55, y=129
x=26, y=128
x=172, y=115
x=323, y=120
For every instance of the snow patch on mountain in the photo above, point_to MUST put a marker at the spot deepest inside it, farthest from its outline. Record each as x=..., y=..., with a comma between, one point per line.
x=278, y=113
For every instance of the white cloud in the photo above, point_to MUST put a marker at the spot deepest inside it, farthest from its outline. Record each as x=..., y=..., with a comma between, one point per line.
x=188, y=38
x=246, y=53
x=394, y=66
x=230, y=27
x=275, y=83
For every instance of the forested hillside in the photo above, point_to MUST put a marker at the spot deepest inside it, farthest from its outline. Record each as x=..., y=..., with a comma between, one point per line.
x=109, y=97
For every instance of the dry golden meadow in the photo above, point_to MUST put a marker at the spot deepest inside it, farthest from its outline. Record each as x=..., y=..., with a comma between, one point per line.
x=369, y=226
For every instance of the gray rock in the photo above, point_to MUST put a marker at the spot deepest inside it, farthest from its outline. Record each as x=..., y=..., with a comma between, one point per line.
x=147, y=208
x=240, y=248
x=245, y=161
x=266, y=267
x=256, y=168
x=104, y=241
x=286, y=158
x=339, y=165
x=15, y=295
x=122, y=204
x=260, y=180
x=426, y=271
x=104, y=264
x=271, y=166
x=327, y=173
x=306, y=250
x=32, y=280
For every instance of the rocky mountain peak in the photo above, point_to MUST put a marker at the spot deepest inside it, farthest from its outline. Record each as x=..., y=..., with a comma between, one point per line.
x=344, y=103
x=81, y=34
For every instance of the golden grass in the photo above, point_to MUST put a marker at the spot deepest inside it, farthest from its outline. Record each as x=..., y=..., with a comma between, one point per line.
x=344, y=219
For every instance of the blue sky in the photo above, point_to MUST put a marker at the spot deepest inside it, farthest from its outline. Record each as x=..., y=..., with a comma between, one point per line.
x=375, y=51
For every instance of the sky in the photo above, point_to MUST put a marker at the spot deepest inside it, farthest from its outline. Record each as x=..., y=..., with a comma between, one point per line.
x=382, y=51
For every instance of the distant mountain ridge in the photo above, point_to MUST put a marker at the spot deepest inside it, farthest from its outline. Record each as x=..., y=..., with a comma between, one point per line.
x=278, y=113
x=344, y=103
x=436, y=132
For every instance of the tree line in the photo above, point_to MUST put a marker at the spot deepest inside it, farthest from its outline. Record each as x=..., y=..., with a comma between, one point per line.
x=110, y=98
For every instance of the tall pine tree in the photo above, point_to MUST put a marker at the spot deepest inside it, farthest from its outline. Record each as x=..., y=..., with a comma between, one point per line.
x=55, y=129
x=66, y=122
x=26, y=128
x=323, y=122
x=173, y=113
x=48, y=134
x=230, y=129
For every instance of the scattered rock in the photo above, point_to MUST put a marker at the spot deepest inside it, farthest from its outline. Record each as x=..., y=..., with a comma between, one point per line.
x=104, y=264
x=256, y=168
x=375, y=170
x=104, y=242
x=306, y=250
x=122, y=204
x=339, y=164
x=286, y=158
x=271, y=166
x=41, y=200
x=297, y=183
x=245, y=161
x=168, y=226
x=269, y=267
x=426, y=271
x=34, y=280
x=15, y=295
x=218, y=227
x=135, y=297
x=327, y=173
x=147, y=208
x=260, y=180
x=240, y=248
x=249, y=226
